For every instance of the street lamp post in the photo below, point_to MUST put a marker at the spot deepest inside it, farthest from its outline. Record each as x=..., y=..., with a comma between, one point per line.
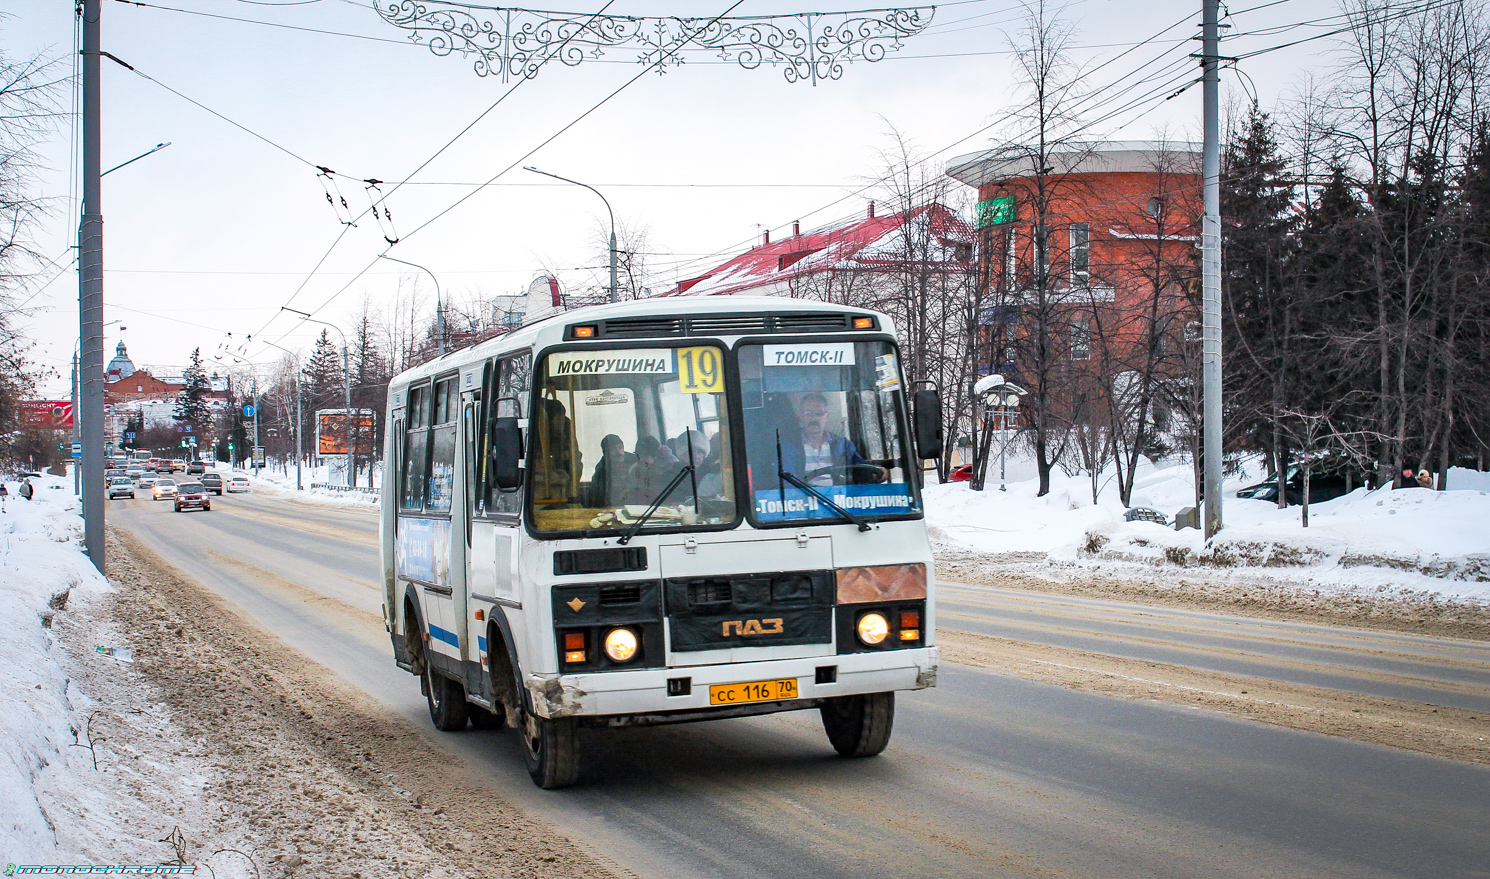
x=439, y=302
x=615, y=292
x=346, y=373
x=1001, y=398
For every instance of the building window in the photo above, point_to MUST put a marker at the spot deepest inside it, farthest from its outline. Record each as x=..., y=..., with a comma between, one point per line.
x=1042, y=253
x=1081, y=254
x=1081, y=339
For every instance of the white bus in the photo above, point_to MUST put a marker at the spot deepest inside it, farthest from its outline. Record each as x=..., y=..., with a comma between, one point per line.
x=662, y=511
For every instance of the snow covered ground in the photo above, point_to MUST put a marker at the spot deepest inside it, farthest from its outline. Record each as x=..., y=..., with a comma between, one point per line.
x=280, y=479
x=1413, y=541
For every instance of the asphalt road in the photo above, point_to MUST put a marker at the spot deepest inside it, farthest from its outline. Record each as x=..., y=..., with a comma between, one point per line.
x=987, y=775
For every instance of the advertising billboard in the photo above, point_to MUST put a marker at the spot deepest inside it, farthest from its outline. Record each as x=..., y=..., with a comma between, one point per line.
x=46, y=415
x=333, y=426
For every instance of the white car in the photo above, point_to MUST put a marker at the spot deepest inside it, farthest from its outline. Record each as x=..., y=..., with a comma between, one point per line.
x=238, y=483
x=146, y=481
x=164, y=488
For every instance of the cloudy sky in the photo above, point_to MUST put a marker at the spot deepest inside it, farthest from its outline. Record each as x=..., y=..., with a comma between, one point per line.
x=215, y=233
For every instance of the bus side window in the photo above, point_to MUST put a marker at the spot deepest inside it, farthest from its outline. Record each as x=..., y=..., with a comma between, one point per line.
x=512, y=380
x=442, y=447
x=416, y=451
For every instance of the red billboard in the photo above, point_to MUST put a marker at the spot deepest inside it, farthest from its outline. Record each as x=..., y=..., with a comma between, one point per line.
x=332, y=426
x=46, y=415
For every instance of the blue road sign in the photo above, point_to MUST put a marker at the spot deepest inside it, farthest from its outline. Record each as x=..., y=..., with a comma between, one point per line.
x=248, y=411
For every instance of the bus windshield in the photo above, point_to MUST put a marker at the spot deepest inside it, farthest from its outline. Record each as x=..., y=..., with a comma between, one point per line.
x=823, y=424
x=616, y=432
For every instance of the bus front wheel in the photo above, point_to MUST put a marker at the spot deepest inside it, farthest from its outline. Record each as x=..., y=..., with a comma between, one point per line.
x=859, y=726
x=551, y=747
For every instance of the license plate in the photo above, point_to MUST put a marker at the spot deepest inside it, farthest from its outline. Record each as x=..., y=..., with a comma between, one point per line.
x=757, y=691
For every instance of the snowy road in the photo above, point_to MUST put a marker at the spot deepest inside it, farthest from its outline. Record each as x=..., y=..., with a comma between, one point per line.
x=988, y=775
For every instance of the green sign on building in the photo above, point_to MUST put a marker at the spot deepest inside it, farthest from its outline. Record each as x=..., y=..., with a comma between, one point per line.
x=995, y=211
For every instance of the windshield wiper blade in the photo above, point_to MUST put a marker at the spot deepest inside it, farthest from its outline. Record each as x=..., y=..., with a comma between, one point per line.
x=686, y=470
x=789, y=477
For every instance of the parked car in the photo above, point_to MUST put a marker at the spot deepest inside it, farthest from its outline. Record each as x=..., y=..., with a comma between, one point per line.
x=239, y=483
x=213, y=482
x=961, y=474
x=121, y=486
x=1326, y=482
x=164, y=488
x=196, y=468
x=192, y=495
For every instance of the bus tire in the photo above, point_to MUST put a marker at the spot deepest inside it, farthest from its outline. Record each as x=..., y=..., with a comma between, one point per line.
x=447, y=701
x=859, y=726
x=551, y=750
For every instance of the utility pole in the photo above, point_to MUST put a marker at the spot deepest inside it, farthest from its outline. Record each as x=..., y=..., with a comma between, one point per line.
x=90, y=293
x=346, y=372
x=615, y=290
x=1210, y=260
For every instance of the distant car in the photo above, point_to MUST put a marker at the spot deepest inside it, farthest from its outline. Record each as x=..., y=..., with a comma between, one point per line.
x=192, y=495
x=178, y=465
x=1327, y=481
x=961, y=474
x=213, y=482
x=135, y=473
x=121, y=486
x=196, y=468
x=239, y=483
x=147, y=481
x=164, y=488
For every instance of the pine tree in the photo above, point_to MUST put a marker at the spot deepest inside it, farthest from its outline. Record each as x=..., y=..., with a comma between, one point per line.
x=323, y=376
x=191, y=403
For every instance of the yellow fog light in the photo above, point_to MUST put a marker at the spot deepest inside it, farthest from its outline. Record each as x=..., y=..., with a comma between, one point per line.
x=873, y=629
x=620, y=645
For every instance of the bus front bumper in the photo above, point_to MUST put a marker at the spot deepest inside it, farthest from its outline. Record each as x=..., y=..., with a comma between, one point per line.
x=617, y=695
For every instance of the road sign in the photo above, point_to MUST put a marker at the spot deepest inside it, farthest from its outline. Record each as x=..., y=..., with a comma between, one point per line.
x=259, y=457
x=191, y=440
x=129, y=434
x=77, y=450
x=248, y=411
x=995, y=212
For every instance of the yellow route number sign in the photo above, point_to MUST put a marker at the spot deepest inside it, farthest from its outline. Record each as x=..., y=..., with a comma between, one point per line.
x=701, y=370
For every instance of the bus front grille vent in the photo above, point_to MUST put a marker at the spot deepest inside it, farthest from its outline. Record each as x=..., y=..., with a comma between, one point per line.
x=642, y=327
x=811, y=321
x=727, y=324
x=706, y=592
x=624, y=593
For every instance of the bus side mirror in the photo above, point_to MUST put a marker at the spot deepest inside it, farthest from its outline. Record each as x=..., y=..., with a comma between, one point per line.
x=506, y=454
x=926, y=406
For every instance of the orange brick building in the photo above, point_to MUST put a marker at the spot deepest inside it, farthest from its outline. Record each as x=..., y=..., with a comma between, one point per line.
x=1111, y=229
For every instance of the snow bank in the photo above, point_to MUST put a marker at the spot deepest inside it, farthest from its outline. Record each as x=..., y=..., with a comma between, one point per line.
x=282, y=482
x=1414, y=539
x=43, y=568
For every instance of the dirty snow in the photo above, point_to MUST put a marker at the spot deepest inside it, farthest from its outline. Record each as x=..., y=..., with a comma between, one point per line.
x=1405, y=540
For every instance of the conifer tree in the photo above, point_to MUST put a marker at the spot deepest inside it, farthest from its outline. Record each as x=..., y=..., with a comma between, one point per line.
x=191, y=403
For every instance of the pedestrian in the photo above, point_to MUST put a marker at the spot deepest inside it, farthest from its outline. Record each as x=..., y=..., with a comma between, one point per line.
x=26, y=488
x=1425, y=479
x=4, y=493
x=1407, y=480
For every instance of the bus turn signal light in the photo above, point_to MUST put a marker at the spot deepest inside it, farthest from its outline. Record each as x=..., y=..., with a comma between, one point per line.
x=574, y=647
x=910, y=634
x=863, y=323
x=584, y=332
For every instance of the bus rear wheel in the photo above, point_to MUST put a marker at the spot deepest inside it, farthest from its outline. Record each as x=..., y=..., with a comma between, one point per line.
x=859, y=726
x=447, y=701
x=551, y=749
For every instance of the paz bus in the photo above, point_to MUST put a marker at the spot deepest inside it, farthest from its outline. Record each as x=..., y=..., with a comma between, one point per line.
x=662, y=511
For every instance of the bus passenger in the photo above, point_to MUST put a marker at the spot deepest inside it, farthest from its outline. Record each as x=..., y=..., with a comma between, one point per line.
x=608, y=484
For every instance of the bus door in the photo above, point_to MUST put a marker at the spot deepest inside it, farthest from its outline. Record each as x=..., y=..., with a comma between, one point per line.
x=495, y=527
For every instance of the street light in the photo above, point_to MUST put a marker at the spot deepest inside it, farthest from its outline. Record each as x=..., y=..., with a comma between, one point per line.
x=1002, y=399
x=346, y=374
x=615, y=293
x=439, y=307
x=255, y=394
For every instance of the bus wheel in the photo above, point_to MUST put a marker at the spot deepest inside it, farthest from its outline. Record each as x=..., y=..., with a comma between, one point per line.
x=859, y=726
x=447, y=701
x=552, y=750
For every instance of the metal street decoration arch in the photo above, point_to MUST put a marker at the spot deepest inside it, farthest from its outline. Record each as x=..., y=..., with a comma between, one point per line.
x=512, y=42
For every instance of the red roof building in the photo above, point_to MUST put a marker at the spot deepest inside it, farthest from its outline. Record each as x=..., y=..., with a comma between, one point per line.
x=835, y=263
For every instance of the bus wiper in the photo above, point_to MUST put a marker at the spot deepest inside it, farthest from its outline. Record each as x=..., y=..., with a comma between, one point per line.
x=686, y=470
x=783, y=476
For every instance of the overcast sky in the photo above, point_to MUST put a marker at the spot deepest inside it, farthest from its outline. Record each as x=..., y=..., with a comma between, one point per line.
x=215, y=233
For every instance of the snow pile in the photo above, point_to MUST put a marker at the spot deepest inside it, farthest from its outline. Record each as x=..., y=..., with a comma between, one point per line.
x=44, y=568
x=313, y=480
x=1414, y=539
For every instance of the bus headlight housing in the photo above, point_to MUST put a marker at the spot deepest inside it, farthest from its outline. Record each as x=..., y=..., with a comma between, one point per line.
x=873, y=629
x=620, y=645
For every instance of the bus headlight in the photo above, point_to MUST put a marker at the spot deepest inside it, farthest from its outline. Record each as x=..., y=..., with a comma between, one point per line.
x=873, y=629
x=620, y=645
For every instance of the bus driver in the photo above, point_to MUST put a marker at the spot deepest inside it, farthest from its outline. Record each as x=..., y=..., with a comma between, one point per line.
x=821, y=452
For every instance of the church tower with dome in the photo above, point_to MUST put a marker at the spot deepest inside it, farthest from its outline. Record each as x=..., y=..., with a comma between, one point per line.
x=121, y=366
